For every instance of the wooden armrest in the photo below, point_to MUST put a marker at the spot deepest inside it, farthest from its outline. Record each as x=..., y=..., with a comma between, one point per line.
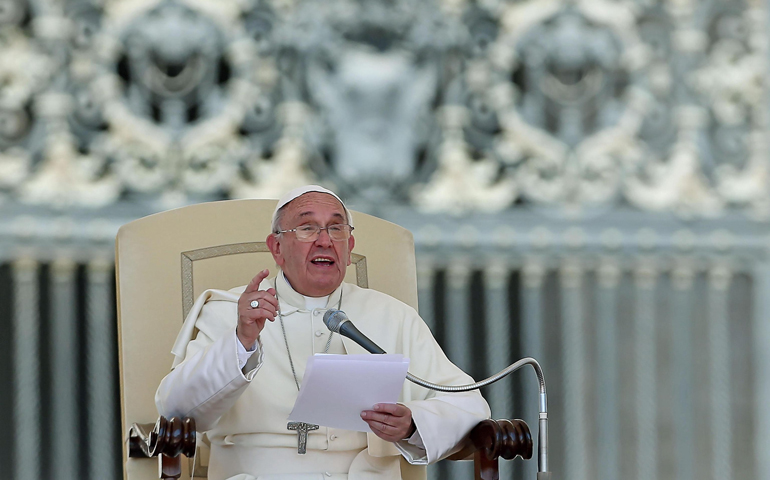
x=167, y=439
x=491, y=440
x=496, y=439
x=486, y=443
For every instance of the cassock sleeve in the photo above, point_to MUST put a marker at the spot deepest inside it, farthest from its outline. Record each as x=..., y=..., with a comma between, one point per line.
x=442, y=419
x=208, y=381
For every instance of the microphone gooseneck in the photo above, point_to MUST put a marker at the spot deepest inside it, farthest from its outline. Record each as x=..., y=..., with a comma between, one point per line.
x=337, y=321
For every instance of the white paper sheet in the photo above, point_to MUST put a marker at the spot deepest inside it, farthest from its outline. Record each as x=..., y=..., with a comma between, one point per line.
x=337, y=388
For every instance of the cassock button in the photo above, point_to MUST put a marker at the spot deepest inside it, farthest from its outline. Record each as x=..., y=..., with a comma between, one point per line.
x=316, y=312
x=318, y=333
x=333, y=437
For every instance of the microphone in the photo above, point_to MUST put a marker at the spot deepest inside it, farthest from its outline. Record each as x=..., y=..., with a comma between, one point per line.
x=338, y=322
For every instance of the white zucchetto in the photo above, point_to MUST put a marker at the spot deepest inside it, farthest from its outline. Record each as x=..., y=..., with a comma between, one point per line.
x=299, y=191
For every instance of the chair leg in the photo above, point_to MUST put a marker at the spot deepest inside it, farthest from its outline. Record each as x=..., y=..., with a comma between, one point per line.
x=170, y=467
x=485, y=469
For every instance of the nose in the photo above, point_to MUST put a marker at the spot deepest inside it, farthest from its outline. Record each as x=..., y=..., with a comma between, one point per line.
x=323, y=238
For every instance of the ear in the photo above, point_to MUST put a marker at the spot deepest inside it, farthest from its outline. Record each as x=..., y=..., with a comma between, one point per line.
x=274, y=245
x=351, y=244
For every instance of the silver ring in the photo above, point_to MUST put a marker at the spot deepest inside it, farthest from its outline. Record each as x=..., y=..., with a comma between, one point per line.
x=254, y=304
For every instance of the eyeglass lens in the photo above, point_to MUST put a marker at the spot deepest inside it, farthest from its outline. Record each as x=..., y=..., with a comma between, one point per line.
x=311, y=232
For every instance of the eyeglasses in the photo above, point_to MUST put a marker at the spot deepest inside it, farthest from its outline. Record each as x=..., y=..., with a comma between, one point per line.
x=309, y=233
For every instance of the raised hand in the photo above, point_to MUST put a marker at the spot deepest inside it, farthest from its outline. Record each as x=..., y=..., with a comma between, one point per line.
x=252, y=320
x=390, y=421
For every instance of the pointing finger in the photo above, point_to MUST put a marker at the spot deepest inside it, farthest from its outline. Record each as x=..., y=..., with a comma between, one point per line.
x=253, y=285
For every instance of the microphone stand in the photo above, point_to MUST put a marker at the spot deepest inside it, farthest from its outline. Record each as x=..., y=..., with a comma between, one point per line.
x=542, y=434
x=337, y=321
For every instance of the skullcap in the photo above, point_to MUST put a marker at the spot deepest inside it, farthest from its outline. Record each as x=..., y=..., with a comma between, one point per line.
x=299, y=191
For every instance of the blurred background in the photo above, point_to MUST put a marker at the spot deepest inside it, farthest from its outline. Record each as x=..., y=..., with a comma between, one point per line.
x=586, y=181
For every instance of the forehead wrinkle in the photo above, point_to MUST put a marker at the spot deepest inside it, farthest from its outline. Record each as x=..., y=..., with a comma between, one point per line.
x=335, y=214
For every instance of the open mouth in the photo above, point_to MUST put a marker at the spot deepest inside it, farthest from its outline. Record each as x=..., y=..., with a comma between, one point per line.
x=322, y=261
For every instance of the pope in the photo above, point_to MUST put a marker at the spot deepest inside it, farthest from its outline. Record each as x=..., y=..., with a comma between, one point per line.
x=241, y=373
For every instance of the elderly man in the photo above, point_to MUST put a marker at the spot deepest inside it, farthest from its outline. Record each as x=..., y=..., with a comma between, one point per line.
x=240, y=376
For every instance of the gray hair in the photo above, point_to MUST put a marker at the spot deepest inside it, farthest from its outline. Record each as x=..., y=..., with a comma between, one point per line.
x=276, y=226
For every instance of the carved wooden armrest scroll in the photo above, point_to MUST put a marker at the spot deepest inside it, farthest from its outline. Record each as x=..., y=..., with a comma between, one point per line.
x=168, y=438
x=494, y=439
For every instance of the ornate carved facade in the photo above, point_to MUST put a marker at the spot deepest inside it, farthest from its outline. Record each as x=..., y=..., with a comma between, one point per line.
x=452, y=106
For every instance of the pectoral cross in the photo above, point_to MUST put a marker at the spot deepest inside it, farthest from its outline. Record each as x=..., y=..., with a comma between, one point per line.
x=302, y=428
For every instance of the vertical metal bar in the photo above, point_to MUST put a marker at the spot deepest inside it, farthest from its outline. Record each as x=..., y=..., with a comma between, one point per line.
x=102, y=415
x=761, y=356
x=458, y=335
x=532, y=302
x=608, y=413
x=575, y=366
x=498, y=334
x=458, y=324
x=533, y=275
x=645, y=364
x=498, y=344
x=26, y=355
x=682, y=279
x=719, y=373
x=426, y=274
x=64, y=361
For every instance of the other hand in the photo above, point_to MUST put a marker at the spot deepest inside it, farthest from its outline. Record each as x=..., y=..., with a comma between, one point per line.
x=390, y=421
x=251, y=321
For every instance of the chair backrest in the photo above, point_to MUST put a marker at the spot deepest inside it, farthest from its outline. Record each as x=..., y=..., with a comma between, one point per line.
x=164, y=261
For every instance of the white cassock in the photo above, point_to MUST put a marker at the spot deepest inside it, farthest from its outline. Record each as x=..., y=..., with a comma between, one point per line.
x=245, y=414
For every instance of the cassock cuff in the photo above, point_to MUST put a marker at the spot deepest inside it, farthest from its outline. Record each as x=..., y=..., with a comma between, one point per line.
x=412, y=453
x=413, y=448
x=416, y=440
x=248, y=362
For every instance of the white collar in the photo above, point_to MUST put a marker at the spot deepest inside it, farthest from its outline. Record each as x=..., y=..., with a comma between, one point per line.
x=315, y=302
x=294, y=301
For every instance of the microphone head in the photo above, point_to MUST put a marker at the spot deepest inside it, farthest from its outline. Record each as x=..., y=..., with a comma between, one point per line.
x=334, y=318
